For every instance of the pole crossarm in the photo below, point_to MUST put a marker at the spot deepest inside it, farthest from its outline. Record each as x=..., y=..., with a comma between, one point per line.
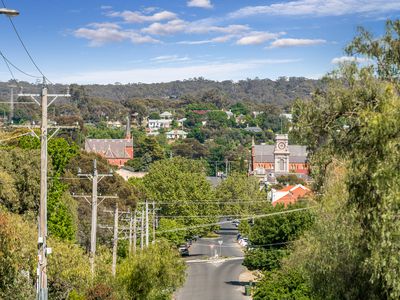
x=56, y=96
x=32, y=96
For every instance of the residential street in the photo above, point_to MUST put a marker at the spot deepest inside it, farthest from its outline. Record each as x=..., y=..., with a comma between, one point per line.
x=214, y=279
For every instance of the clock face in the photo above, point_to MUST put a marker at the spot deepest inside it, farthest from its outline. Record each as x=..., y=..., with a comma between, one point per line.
x=281, y=146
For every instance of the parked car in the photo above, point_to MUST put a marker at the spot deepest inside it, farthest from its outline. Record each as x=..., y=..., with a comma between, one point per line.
x=243, y=242
x=183, y=250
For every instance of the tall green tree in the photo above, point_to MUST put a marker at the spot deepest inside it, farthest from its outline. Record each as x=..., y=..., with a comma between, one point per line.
x=242, y=195
x=181, y=188
x=383, y=51
x=153, y=274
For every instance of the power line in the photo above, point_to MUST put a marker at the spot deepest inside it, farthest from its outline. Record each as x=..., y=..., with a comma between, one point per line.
x=24, y=46
x=15, y=137
x=199, y=202
x=204, y=216
x=8, y=67
x=246, y=218
x=17, y=68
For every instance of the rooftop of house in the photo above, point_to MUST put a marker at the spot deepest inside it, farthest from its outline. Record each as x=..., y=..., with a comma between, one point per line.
x=290, y=194
x=177, y=131
x=160, y=121
x=166, y=114
x=109, y=148
x=253, y=129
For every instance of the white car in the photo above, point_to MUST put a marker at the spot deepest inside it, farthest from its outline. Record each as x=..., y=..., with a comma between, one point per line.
x=243, y=242
x=236, y=222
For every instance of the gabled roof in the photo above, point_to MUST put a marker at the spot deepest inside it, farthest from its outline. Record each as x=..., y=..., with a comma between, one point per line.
x=253, y=129
x=166, y=114
x=290, y=194
x=177, y=131
x=265, y=153
x=109, y=148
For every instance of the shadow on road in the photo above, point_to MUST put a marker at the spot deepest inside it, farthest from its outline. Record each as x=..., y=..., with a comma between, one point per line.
x=237, y=283
x=197, y=254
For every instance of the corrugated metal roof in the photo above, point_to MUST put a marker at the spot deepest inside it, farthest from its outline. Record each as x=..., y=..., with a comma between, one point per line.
x=265, y=153
x=109, y=148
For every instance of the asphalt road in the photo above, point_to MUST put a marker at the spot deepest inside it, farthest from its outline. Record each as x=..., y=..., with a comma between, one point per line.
x=214, y=279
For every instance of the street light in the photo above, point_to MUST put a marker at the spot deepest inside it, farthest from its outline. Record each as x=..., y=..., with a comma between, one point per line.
x=9, y=12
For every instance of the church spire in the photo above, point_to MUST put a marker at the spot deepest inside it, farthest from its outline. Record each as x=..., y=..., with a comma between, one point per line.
x=128, y=128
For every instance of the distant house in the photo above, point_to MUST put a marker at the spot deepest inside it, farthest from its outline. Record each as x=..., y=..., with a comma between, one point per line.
x=255, y=129
x=229, y=114
x=201, y=112
x=166, y=115
x=116, y=151
x=279, y=159
x=289, y=117
x=256, y=113
x=180, y=122
x=289, y=194
x=126, y=173
x=114, y=124
x=158, y=124
x=176, y=134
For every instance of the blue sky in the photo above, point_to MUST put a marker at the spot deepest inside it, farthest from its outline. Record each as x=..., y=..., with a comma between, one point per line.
x=158, y=41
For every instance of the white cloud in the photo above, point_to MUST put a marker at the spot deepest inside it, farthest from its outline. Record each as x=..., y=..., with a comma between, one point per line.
x=201, y=27
x=258, y=37
x=344, y=59
x=105, y=7
x=196, y=27
x=169, y=58
x=137, y=17
x=168, y=28
x=200, y=3
x=295, y=42
x=215, y=71
x=201, y=42
x=101, y=33
x=219, y=39
x=319, y=8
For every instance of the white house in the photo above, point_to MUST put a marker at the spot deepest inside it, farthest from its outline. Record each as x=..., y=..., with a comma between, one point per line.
x=180, y=122
x=176, y=134
x=166, y=115
x=158, y=124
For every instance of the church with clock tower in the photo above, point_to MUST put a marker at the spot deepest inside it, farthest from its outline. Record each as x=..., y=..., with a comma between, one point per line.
x=279, y=159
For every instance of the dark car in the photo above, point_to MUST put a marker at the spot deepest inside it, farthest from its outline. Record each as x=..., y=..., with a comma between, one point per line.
x=183, y=250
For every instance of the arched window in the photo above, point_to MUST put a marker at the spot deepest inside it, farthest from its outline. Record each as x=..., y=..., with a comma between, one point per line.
x=282, y=164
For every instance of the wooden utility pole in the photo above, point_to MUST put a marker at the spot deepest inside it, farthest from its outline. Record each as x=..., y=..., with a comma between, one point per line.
x=147, y=223
x=95, y=177
x=142, y=230
x=42, y=242
x=115, y=241
x=11, y=115
x=132, y=232
x=154, y=221
x=43, y=251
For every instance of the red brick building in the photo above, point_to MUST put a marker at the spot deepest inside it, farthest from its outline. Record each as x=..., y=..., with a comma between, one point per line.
x=279, y=159
x=116, y=151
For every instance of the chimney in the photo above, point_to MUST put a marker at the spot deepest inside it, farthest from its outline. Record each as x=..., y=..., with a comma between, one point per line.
x=128, y=128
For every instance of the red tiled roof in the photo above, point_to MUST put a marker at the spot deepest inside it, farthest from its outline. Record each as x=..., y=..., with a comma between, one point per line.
x=287, y=188
x=200, y=112
x=294, y=193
